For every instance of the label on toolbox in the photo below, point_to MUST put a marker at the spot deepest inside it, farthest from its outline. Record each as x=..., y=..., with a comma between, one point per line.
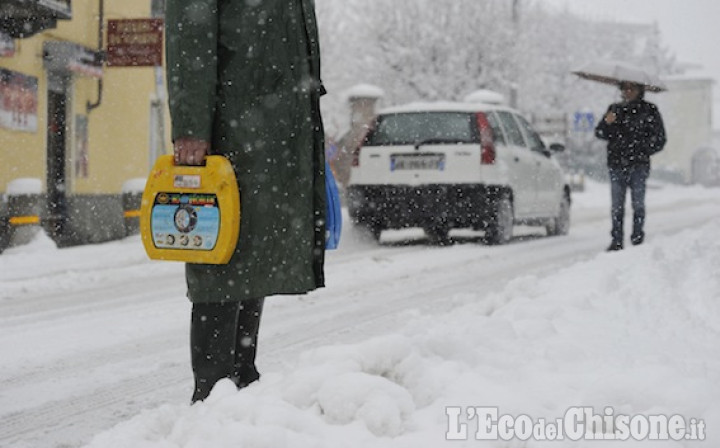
x=186, y=221
x=186, y=181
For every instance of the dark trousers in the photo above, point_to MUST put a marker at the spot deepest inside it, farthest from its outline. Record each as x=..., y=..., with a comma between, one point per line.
x=223, y=343
x=635, y=178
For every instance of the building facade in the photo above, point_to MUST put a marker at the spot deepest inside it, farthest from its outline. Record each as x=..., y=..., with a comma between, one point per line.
x=687, y=112
x=72, y=125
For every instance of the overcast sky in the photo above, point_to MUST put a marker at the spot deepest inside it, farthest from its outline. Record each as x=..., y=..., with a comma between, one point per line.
x=690, y=28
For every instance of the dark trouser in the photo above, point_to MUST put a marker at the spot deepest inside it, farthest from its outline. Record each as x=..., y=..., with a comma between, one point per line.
x=633, y=177
x=223, y=343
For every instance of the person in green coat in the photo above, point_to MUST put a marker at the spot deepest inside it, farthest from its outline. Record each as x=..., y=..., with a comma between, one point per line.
x=244, y=82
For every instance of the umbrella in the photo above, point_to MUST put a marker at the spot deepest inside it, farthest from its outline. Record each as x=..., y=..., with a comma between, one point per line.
x=614, y=73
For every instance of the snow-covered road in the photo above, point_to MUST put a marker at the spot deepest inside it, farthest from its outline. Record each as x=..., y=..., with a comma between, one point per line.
x=91, y=336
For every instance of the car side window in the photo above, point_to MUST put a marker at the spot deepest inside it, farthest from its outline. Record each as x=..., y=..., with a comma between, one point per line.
x=514, y=135
x=534, y=140
x=496, y=128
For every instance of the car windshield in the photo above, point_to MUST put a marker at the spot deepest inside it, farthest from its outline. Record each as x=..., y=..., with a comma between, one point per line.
x=422, y=128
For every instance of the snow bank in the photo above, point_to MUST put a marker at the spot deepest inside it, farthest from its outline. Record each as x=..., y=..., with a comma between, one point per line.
x=24, y=186
x=135, y=185
x=39, y=244
x=636, y=330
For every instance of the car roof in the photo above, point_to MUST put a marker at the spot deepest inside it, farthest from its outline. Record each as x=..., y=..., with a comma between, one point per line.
x=443, y=106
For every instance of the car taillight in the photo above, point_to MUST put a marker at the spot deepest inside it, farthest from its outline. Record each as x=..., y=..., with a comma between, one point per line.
x=487, y=140
x=364, y=139
x=356, y=155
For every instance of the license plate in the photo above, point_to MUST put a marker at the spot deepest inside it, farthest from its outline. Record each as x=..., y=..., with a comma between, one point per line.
x=417, y=162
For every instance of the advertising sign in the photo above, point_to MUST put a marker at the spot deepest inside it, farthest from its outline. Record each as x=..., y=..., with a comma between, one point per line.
x=7, y=46
x=18, y=101
x=81, y=146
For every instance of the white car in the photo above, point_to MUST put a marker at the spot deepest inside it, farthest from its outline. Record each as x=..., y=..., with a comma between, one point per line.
x=441, y=166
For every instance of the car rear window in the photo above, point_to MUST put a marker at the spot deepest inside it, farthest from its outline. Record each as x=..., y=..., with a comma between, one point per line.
x=496, y=128
x=422, y=127
x=514, y=134
x=533, y=138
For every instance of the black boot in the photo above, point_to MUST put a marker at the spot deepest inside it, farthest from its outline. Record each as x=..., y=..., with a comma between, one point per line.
x=637, y=239
x=212, y=344
x=248, y=326
x=614, y=246
x=223, y=344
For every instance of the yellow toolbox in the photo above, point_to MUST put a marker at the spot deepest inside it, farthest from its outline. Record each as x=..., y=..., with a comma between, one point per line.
x=191, y=213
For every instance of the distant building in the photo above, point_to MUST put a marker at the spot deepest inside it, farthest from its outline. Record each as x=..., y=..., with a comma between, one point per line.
x=706, y=167
x=363, y=99
x=687, y=112
x=79, y=127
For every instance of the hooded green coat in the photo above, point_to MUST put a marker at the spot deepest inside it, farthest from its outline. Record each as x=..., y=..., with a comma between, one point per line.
x=245, y=76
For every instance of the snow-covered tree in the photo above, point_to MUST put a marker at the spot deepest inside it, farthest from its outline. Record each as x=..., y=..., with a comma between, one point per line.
x=420, y=50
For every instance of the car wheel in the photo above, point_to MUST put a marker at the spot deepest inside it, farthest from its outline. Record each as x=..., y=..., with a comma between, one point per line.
x=373, y=227
x=368, y=224
x=500, y=229
x=370, y=230
x=438, y=234
x=375, y=231
x=560, y=225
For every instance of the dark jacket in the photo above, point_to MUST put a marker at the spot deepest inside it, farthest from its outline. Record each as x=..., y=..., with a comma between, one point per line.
x=245, y=76
x=637, y=133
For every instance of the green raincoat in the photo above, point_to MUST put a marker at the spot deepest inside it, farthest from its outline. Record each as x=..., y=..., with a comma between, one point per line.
x=245, y=76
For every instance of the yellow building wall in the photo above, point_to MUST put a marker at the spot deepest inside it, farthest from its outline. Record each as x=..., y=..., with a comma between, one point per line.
x=118, y=136
x=22, y=154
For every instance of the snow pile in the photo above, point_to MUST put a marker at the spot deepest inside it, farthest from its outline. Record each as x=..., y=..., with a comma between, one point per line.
x=24, y=186
x=636, y=330
x=40, y=242
x=135, y=185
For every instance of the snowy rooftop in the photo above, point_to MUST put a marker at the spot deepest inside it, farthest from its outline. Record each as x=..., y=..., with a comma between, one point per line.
x=485, y=96
x=364, y=91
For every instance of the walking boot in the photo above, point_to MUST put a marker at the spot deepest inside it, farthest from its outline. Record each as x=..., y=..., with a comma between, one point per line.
x=637, y=239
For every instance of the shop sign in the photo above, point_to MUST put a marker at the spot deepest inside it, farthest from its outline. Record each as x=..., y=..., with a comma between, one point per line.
x=135, y=42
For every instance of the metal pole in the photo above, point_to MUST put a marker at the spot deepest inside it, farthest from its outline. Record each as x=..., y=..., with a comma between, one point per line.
x=157, y=131
x=516, y=11
x=101, y=26
x=515, y=65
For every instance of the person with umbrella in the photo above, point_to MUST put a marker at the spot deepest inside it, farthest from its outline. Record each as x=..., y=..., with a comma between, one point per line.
x=634, y=131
